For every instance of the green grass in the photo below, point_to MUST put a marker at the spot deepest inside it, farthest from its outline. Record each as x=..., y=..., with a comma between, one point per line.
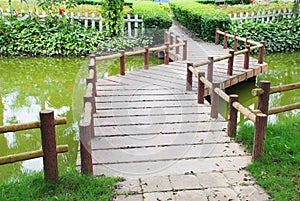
x=279, y=170
x=70, y=186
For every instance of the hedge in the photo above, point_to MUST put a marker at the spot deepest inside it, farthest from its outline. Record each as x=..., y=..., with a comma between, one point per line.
x=199, y=18
x=279, y=36
x=154, y=15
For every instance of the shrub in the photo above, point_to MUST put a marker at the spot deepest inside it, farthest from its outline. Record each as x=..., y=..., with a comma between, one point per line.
x=199, y=18
x=55, y=36
x=154, y=15
x=279, y=36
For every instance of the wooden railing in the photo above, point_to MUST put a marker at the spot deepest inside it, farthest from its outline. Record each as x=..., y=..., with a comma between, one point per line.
x=171, y=41
x=86, y=126
x=216, y=90
x=49, y=149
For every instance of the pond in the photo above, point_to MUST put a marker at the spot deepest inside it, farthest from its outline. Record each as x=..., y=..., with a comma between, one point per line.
x=284, y=68
x=29, y=85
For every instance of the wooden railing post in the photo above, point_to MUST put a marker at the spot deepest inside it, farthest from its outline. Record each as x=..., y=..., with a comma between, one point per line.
x=92, y=97
x=177, y=48
x=146, y=58
x=94, y=80
x=247, y=57
x=210, y=69
x=225, y=40
x=167, y=52
x=261, y=53
x=189, y=77
x=230, y=63
x=235, y=44
x=184, y=52
x=263, y=99
x=214, y=108
x=166, y=40
x=232, y=116
x=171, y=39
x=217, y=37
x=247, y=40
x=85, y=132
x=122, y=62
x=259, y=135
x=200, y=88
x=49, y=145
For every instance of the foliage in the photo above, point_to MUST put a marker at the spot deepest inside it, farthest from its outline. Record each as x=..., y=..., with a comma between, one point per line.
x=48, y=5
x=199, y=18
x=55, y=36
x=227, y=2
x=253, y=7
x=279, y=170
x=113, y=13
x=154, y=15
x=279, y=36
x=70, y=186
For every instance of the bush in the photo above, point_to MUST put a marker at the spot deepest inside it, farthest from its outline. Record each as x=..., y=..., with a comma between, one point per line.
x=199, y=18
x=279, y=36
x=55, y=36
x=154, y=15
x=230, y=2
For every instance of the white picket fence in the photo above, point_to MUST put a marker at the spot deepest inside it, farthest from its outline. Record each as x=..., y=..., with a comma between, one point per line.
x=133, y=25
x=263, y=15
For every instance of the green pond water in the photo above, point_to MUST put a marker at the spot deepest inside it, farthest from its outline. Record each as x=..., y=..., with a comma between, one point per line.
x=29, y=85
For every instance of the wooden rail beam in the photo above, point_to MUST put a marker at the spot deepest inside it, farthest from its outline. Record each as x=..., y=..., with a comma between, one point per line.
x=29, y=155
x=284, y=108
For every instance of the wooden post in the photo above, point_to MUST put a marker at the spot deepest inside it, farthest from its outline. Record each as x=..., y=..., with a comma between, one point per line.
x=230, y=63
x=49, y=145
x=189, y=77
x=177, y=42
x=247, y=57
x=93, y=67
x=122, y=62
x=235, y=45
x=214, y=108
x=232, y=116
x=166, y=36
x=171, y=39
x=184, y=52
x=259, y=135
x=261, y=53
x=167, y=56
x=263, y=99
x=85, y=133
x=247, y=39
x=200, y=88
x=225, y=40
x=210, y=69
x=217, y=37
x=146, y=58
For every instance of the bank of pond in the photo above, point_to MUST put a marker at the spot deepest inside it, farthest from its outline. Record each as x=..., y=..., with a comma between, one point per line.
x=29, y=85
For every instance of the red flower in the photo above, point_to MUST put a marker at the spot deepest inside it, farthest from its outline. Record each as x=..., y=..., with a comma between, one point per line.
x=17, y=13
x=61, y=11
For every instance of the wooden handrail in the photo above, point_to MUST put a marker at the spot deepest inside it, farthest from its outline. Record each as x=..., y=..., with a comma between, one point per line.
x=29, y=155
x=276, y=89
x=135, y=52
x=222, y=94
x=29, y=125
x=245, y=111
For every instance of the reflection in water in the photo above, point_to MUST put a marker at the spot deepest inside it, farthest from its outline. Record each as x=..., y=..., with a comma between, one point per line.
x=284, y=68
x=29, y=85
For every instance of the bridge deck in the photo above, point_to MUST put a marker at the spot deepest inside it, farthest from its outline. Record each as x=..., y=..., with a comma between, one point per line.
x=151, y=131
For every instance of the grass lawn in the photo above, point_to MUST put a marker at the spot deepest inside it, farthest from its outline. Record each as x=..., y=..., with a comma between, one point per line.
x=279, y=170
x=70, y=186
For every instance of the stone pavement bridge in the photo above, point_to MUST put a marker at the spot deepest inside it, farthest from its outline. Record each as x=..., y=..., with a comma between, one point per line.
x=151, y=131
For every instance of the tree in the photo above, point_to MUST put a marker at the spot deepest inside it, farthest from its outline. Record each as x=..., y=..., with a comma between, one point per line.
x=113, y=12
x=296, y=6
